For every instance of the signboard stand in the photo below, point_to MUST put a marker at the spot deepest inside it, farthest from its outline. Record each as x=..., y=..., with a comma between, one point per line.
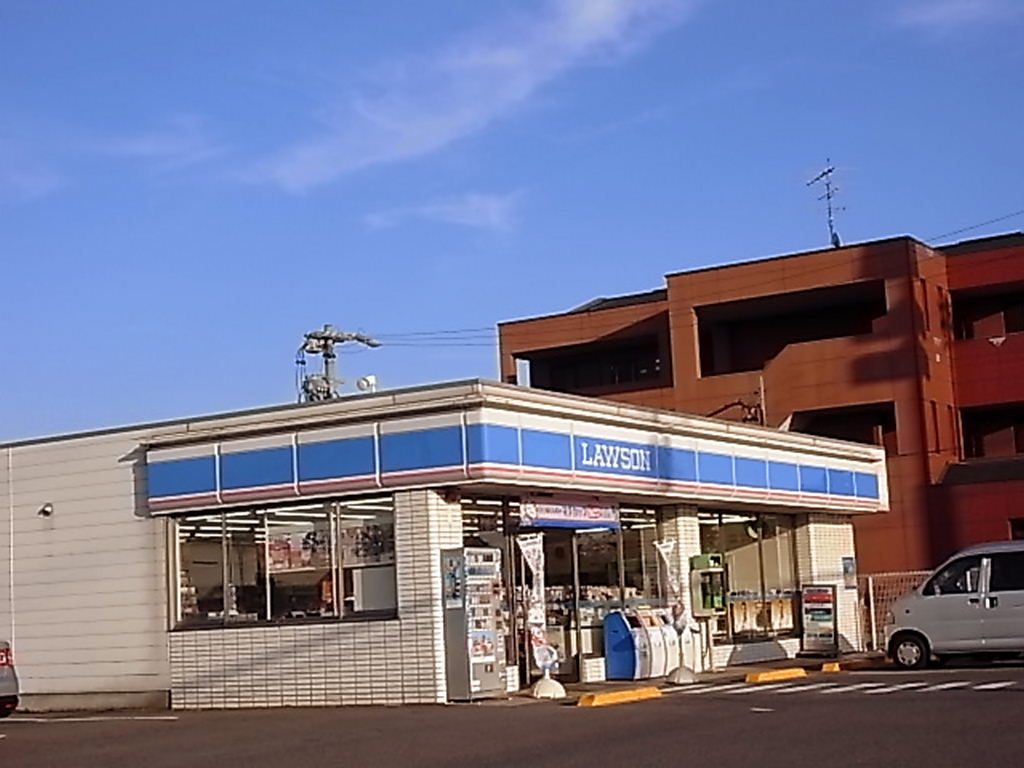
x=818, y=619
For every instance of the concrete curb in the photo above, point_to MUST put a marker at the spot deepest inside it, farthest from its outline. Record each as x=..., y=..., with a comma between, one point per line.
x=774, y=675
x=618, y=697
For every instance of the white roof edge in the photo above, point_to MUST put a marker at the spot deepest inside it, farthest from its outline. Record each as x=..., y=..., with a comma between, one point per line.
x=461, y=395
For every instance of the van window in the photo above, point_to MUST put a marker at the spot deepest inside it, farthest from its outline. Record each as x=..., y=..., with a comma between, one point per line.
x=958, y=578
x=1007, y=572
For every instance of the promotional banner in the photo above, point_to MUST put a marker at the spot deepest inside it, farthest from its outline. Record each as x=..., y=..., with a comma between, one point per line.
x=532, y=548
x=672, y=578
x=568, y=514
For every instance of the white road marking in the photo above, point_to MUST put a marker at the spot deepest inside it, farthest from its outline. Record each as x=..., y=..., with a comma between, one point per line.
x=758, y=688
x=945, y=686
x=688, y=688
x=854, y=687
x=95, y=719
x=899, y=687
x=802, y=688
x=717, y=688
x=995, y=686
x=761, y=709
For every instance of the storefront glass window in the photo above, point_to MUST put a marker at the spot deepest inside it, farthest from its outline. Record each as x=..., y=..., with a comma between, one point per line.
x=300, y=561
x=779, y=556
x=287, y=563
x=246, y=569
x=760, y=577
x=366, y=552
x=201, y=573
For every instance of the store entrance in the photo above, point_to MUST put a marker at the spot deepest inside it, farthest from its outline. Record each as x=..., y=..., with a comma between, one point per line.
x=590, y=572
x=584, y=581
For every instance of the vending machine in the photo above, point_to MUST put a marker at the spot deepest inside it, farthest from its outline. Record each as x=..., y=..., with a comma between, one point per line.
x=473, y=632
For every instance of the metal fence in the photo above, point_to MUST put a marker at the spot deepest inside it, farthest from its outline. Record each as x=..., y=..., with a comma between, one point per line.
x=877, y=594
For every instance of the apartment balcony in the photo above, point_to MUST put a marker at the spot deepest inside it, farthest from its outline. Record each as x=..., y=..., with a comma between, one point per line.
x=989, y=371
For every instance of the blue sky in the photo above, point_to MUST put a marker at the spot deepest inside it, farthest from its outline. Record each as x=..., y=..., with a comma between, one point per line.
x=185, y=188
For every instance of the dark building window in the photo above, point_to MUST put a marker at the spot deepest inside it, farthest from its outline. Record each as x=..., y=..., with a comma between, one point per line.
x=992, y=432
x=744, y=335
x=982, y=316
x=601, y=366
x=874, y=424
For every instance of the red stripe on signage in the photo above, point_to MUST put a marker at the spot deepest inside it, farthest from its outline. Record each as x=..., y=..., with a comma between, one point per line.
x=257, y=493
x=452, y=471
x=188, y=498
x=336, y=483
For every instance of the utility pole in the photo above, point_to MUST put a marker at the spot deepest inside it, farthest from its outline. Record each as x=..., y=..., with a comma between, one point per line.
x=830, y=192
x=315, y=387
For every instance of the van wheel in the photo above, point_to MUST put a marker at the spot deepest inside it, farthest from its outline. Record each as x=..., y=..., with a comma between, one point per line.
x=910, y=651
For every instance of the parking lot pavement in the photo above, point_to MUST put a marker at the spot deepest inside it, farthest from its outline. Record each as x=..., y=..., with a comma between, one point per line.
x=976, y=723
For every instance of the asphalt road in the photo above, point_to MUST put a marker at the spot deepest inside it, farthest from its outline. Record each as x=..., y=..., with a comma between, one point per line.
x=948, y=717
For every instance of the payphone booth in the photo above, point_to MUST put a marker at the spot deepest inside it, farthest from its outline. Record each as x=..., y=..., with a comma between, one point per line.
x=708, y=586
x=474, y=637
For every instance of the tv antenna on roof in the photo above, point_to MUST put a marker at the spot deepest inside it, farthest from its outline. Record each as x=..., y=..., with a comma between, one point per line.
x=315, y=387
x=830, y=192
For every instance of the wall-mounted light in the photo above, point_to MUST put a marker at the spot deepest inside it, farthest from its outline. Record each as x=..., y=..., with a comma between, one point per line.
x=46, y=510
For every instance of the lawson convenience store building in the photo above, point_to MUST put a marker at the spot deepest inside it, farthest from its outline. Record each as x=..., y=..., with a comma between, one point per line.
x=291, y=555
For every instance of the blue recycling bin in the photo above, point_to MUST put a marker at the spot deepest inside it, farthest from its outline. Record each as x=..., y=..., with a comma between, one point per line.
x=620, y=652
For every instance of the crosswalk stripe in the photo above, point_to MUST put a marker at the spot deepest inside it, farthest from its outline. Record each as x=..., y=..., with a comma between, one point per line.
x=757, y=688
x=715, y=689
x=994, y=686
x=802, y=688
x=855, y=687
x=690, y=688
x=918, y=686
x=899, y=687
x=945, y=686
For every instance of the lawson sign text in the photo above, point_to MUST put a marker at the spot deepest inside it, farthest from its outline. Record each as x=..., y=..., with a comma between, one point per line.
x=622, y=456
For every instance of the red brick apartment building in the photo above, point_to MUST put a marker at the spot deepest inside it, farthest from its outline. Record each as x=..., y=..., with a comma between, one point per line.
x=891, y=342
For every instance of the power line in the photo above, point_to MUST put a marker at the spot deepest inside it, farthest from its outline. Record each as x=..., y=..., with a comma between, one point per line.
x=595, y=323
x=977, y=226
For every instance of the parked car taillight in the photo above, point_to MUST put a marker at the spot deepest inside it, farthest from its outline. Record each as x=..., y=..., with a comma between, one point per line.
x=6, y=657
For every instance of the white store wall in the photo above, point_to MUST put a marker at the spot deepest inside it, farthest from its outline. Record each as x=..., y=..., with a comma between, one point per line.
x=82, y=592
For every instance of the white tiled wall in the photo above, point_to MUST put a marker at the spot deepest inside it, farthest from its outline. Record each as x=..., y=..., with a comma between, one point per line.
x=374, y=662
x=679, y=524
x=822, y=541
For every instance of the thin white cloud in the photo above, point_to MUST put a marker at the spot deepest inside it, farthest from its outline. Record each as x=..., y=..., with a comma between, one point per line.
x=475, y=210
x=24, y=175
x=182, y=142
x=25, y=184
x=423, y=105
x=942, y=15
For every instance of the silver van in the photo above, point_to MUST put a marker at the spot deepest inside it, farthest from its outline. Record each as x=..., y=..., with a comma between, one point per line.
x=8, y=681
x=973, y=603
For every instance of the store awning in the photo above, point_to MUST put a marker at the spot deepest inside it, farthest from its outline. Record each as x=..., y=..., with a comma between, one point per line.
x=511, y=437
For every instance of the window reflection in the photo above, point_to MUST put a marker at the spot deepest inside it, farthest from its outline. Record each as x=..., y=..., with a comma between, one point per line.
x=283, y=563
x=760, y=573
